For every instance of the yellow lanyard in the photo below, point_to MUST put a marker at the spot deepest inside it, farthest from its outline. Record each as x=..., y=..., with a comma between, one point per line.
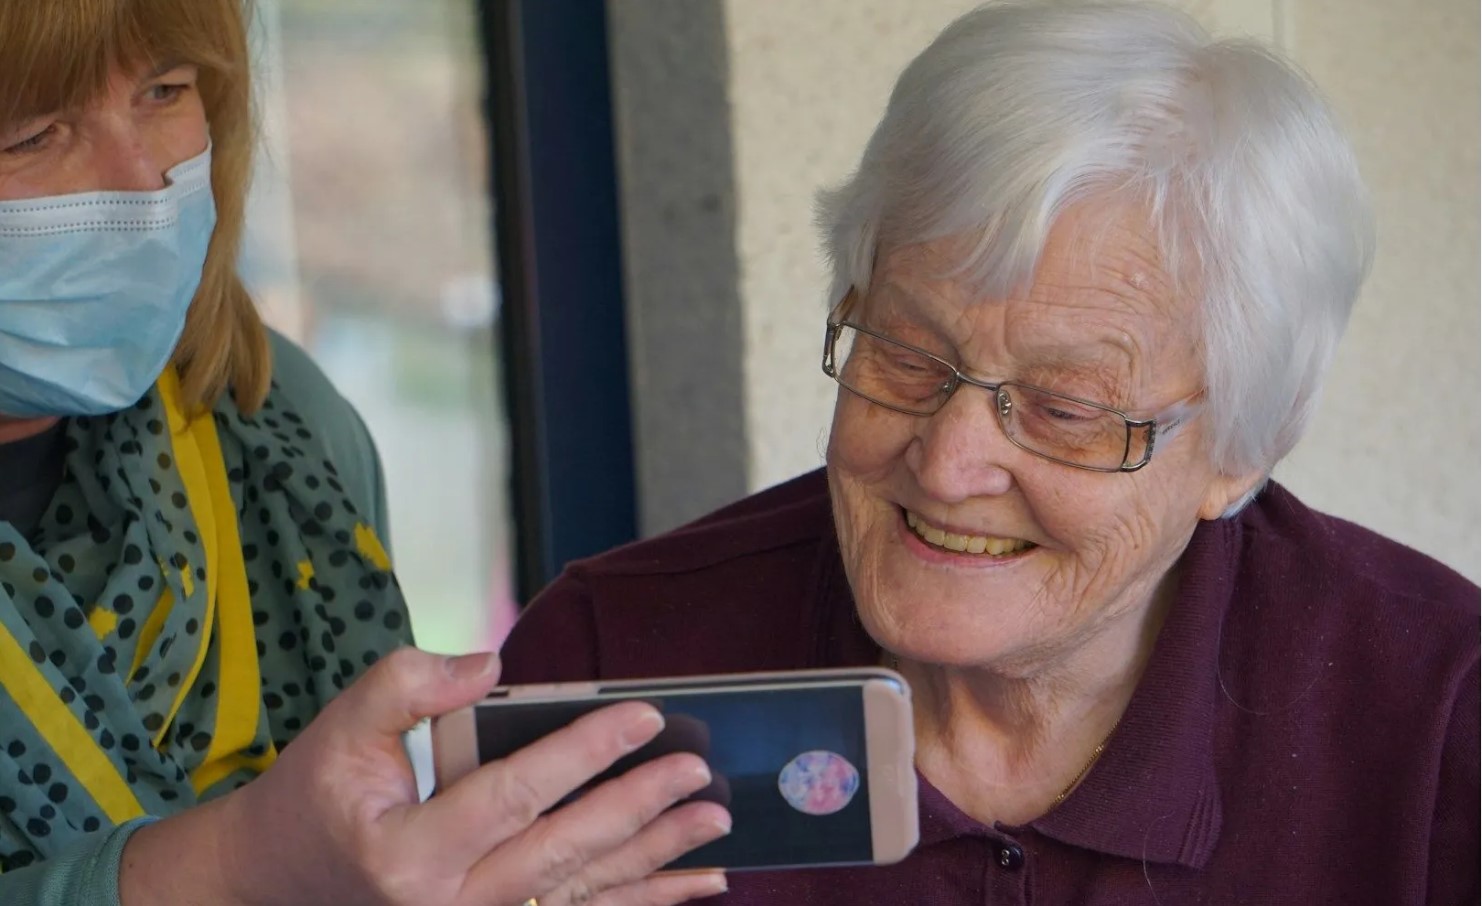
x=197, y=453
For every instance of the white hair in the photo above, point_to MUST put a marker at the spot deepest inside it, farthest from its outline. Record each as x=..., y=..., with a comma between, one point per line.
x=1019, y=110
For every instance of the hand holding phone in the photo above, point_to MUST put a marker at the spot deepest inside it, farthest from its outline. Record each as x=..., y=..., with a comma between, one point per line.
x=337, y=819
x=816, y=767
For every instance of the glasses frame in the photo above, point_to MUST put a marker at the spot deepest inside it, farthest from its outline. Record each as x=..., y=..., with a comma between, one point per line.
x=1159, y=426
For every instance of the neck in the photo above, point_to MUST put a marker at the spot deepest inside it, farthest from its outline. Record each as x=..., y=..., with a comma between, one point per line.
x=1004, y=742
x=14, y=429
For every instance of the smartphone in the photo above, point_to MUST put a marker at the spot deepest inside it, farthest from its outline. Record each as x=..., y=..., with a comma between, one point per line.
x=816, y=767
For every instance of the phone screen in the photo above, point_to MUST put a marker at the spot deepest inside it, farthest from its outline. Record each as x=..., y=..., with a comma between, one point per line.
x=789, y=763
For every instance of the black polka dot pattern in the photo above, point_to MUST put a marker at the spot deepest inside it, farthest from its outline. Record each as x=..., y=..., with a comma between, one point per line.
x=120, y=532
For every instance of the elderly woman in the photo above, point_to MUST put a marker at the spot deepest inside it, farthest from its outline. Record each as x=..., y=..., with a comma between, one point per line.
x=189, y=563
x=1088, y=276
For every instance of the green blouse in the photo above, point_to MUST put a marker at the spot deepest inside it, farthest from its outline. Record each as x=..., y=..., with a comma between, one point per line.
x=195, y=592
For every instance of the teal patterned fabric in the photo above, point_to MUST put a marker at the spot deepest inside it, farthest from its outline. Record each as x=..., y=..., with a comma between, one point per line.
x=77, y=596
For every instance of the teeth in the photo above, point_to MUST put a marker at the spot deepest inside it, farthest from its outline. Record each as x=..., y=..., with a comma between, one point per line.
x=972, y=544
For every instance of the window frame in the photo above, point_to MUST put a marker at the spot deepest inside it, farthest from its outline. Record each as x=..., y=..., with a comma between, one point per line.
x=557, y=236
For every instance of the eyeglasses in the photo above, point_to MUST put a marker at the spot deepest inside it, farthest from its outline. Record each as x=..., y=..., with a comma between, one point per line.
x=1061, y=428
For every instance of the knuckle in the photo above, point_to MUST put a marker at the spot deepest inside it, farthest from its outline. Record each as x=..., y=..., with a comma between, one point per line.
x=560, y=861
x=593, y=739
x=637, y=861
x=634, y=800
x=516, y=796
x=389, y=880
x=655, y=856
x=394, y=886
x=633, y=820
x=603, y=731
x=401, y=665
x=580, y=892
x=401, y=677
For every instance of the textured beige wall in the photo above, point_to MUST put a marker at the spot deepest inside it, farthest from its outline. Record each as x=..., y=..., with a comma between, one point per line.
x=806, y=82
x=1395, y=444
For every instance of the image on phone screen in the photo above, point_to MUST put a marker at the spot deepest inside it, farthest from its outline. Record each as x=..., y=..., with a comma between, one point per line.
x=789, y=764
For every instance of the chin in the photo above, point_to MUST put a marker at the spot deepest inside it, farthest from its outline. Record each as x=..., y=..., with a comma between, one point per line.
x=932, y=613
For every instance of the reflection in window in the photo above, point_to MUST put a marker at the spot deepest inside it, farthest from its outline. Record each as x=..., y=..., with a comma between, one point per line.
x=369, y=243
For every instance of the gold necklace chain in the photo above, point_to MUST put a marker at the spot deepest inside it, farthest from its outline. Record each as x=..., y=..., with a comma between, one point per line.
x=895, y=664
x=1081, y=774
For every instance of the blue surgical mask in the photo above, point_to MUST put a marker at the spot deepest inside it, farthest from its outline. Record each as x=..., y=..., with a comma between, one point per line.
x=94, y=289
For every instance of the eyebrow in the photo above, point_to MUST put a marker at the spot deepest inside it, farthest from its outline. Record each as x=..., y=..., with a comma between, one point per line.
x=902, y=304
x=1095, y=352
x=1108, y=365
x=162, y=68
x=1108, y=359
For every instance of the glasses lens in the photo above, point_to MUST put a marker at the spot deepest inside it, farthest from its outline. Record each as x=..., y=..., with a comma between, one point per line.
x=1062, y=428
x=890, y=374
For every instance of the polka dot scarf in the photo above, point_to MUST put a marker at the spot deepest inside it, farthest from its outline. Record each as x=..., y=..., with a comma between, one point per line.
x=195, y=593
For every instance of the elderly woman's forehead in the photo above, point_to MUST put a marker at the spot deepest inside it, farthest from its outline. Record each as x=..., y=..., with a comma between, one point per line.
x=1108, y=248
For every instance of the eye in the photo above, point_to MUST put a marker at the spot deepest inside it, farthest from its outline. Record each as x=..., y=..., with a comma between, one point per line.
x=169, y=85
x=167, y=93
x=913, y=364
x=1067, y=413
x=36, y=141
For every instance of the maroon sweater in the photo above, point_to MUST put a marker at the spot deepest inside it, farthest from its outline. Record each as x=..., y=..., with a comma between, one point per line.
x=1306, y=730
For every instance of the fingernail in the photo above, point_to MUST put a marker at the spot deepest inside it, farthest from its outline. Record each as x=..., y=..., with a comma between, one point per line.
x=710, y=829
x=718, y=884
x=644, y=727
x=470, y=666
x=693, y=778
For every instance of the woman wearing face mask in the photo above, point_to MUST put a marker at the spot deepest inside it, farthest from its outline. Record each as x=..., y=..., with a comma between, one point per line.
x=190, y=570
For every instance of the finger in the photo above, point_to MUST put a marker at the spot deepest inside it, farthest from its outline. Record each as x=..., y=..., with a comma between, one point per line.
x=503, y=798
x=719, y=792
x=665, y=890
x=409, y=684
x=560, y=845
x=657, y=845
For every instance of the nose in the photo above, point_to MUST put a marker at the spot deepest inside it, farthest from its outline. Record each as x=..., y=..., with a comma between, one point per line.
x=127, y=161
x=961, y=452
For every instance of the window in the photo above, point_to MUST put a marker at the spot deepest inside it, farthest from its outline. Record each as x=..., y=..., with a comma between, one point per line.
x=369, y=243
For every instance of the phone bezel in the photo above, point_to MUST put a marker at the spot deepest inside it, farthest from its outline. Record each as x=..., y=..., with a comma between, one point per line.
x=894, y=826
x=889, y=734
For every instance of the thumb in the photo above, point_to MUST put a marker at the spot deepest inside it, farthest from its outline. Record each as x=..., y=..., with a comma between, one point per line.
x=409, y=684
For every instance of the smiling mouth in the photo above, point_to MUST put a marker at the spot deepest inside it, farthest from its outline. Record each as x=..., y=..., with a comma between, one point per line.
x=985, y=545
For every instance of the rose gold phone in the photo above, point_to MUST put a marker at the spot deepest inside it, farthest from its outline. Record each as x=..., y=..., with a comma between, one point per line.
x=816, y=767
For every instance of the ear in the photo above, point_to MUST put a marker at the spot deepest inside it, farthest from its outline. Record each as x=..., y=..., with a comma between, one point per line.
x=1225, y=490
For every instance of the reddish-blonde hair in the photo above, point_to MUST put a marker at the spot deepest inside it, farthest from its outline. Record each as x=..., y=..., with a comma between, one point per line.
x=57, y=55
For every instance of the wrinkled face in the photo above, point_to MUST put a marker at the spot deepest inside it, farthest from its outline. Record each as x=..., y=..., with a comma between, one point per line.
x=1076, y=549
x=144, y=123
